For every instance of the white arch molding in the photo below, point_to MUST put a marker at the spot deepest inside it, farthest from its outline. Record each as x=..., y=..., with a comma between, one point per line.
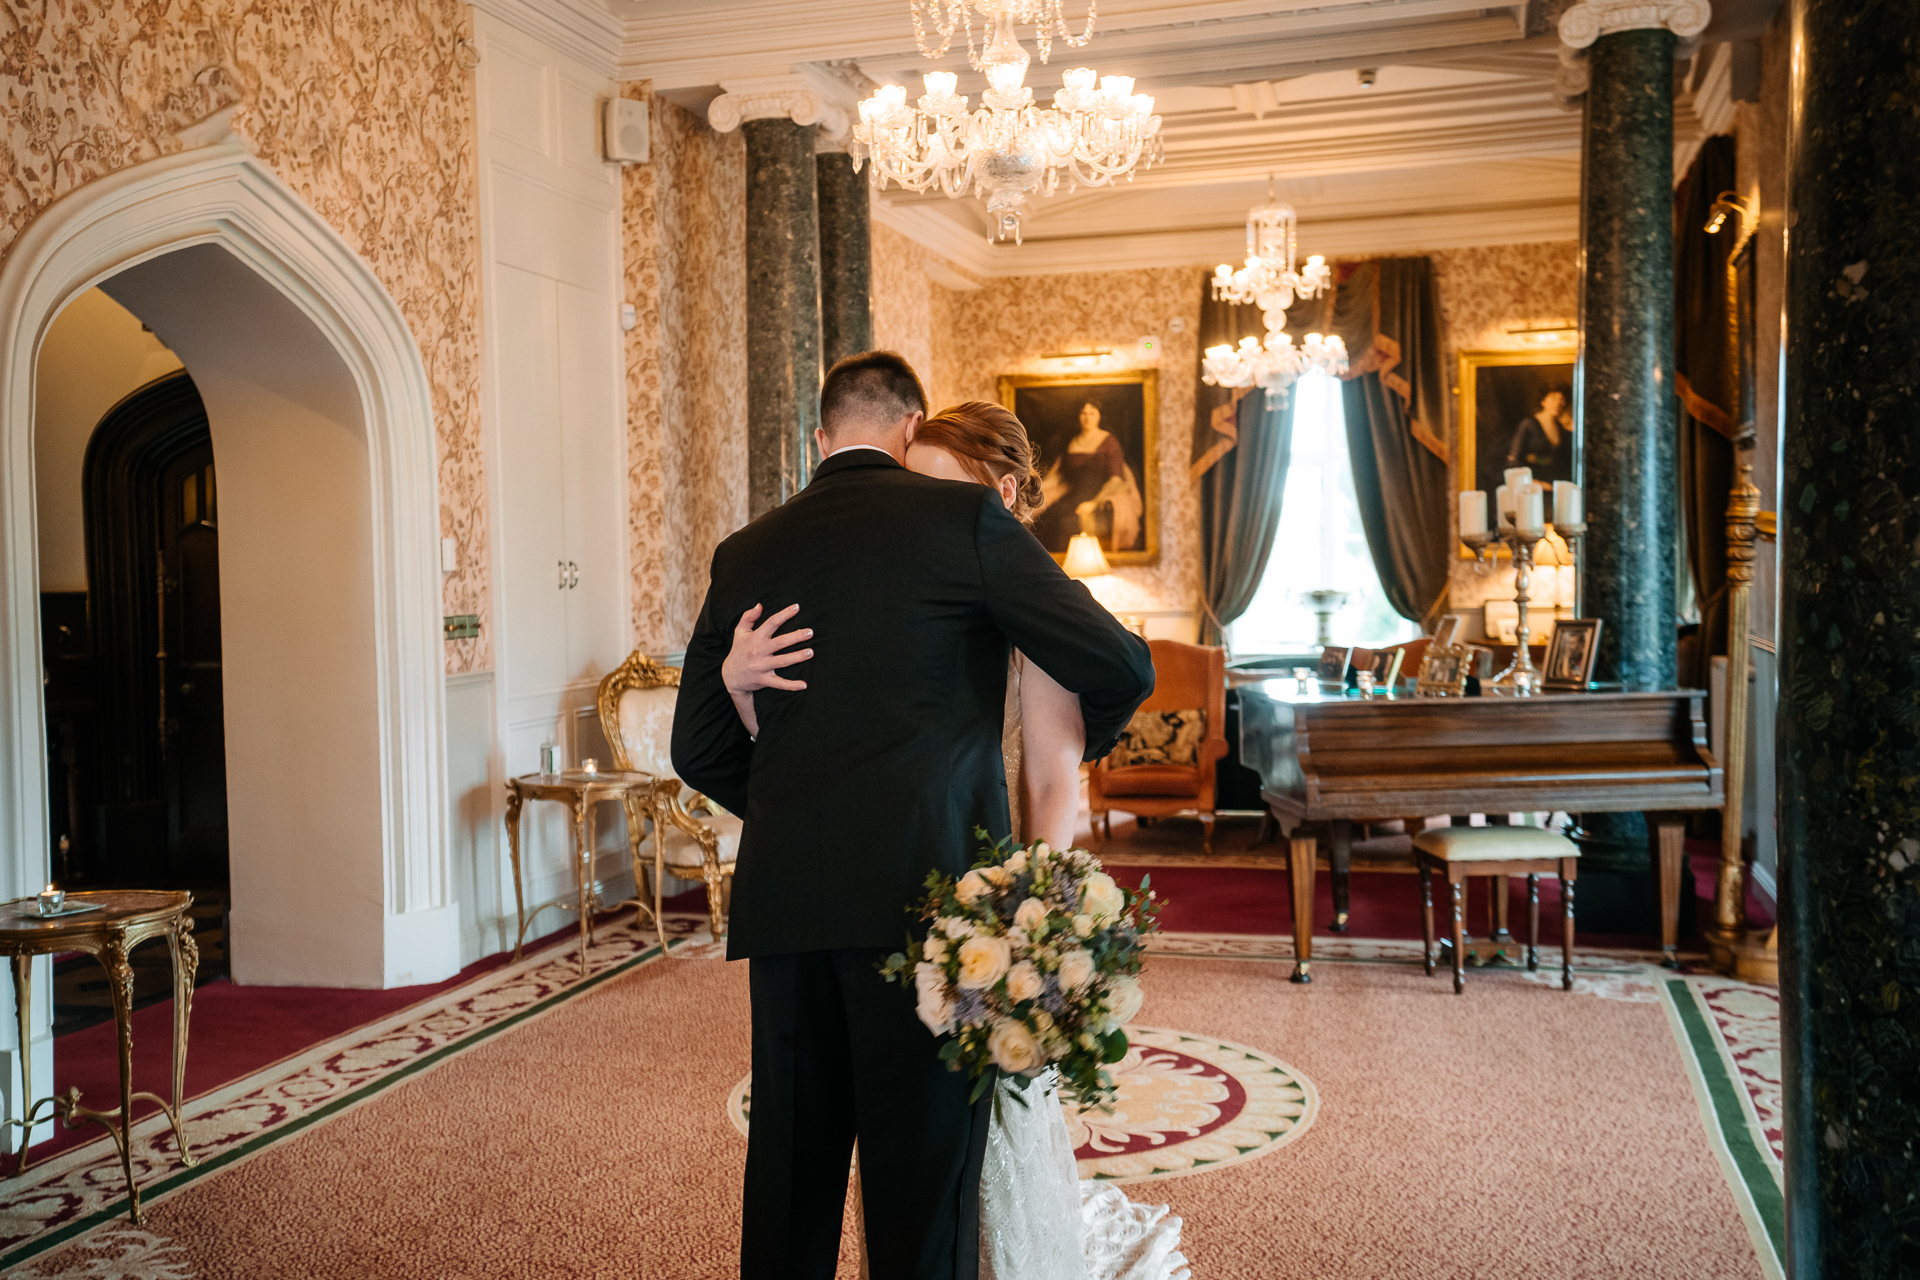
x=392, y=925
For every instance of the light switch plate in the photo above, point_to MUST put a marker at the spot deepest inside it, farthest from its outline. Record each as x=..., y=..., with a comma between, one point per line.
x=449, y=555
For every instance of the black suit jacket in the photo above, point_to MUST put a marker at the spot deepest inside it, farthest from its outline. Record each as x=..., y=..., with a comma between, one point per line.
x=883, y=766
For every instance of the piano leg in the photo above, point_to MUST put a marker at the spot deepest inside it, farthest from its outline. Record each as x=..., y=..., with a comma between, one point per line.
x=1533, y=923
x=1459, y=888
x=1426, y=918
x=1566, y=924
x=1669, y=842
x=1340, y=863
x=1302, y=852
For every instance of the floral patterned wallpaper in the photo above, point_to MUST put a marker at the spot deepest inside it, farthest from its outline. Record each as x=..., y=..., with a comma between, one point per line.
x=1008, y=324
x=359, y=105
x=685, y=251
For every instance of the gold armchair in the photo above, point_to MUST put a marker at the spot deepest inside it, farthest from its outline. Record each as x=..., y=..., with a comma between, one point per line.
x=636, y=712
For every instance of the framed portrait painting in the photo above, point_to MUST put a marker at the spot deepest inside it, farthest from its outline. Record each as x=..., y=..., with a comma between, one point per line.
x=1097, y=436
x=1516, y=410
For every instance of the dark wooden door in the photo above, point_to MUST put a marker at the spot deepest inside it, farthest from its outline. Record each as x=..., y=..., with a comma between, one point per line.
x=192, y=719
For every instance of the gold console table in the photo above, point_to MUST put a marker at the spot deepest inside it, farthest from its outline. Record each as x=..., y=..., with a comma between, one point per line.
x=579, y=791
x=120, y=921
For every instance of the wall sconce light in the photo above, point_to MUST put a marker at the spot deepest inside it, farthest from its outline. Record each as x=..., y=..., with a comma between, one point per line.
x=1729, y=202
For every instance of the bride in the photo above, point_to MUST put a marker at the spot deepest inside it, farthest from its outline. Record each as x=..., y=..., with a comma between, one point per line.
x=1038, y=1219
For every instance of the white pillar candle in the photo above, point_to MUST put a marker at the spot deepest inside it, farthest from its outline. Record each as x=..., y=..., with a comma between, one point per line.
x=1503, y=504
x=1567, y=503
x=1518, y=478
x=1531, y=509
x=1473, y=512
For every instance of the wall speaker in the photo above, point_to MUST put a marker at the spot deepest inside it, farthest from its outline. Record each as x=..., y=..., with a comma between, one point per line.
x=626, y=131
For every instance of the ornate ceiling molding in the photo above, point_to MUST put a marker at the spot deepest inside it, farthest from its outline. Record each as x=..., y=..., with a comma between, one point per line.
x=774, y=98
x=1588, y=20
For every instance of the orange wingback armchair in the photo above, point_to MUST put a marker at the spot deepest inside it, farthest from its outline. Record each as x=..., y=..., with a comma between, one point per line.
x=1164, y=764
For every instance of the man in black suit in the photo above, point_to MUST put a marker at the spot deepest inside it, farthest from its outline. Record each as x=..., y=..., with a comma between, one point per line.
x=856, y=786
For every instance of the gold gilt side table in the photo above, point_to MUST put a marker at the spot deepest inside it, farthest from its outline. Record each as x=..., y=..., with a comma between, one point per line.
x=120, y=921
x=579, y=791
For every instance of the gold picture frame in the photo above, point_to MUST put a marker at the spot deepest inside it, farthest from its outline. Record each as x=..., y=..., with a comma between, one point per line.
x=1128, y=401
x=1443, y=671
x=1497, y=385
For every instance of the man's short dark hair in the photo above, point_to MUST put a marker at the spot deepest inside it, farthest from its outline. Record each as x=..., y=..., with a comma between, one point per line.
x=875, y=385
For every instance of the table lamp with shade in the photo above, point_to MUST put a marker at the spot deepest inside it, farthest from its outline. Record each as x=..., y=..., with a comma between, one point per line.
x=1086, y=561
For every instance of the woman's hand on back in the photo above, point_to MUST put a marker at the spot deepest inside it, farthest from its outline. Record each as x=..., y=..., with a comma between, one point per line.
x=756, y=659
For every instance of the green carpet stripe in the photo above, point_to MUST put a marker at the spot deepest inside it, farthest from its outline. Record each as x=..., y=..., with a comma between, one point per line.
x=30, y=1249
x=1730, y=1116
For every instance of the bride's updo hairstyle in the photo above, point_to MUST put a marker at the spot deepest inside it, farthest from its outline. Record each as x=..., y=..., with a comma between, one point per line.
x=989, y=443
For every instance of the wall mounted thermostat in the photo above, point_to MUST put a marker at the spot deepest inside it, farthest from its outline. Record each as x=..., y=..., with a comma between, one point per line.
x=627, y=139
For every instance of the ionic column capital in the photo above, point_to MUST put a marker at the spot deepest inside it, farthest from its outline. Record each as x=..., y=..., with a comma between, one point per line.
x=773, y=98
x=1588, y=20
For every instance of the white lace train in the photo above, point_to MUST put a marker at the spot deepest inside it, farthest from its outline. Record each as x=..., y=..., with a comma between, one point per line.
x=1040, y=1221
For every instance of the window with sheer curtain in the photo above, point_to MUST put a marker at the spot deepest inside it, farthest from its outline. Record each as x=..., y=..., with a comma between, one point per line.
x=1320, y=543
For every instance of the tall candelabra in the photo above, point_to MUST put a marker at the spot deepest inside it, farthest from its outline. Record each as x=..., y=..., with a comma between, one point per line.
x=1520, y=678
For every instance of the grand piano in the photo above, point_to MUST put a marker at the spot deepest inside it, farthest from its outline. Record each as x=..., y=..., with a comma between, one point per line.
x=1327, y=761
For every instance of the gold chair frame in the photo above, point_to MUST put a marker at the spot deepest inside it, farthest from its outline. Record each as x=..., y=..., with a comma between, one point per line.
x=663, y=804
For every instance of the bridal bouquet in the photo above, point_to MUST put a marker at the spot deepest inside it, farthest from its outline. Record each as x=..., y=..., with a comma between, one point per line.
x=1030, y=960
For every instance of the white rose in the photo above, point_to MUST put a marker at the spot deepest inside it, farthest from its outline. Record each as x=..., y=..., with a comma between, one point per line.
x=1083, y=925
x=935, y=1007
x=1100, y=897
x=934, y=949
x=1014, y=1049
x=1124, y=998
x=954, y=927
x=1042, y=849
x=983, y=961
x=972, y=888
x=1023, y=982
x=1031, y=915
x=1018, y=862
x=1000, y=876
x=1076, y=969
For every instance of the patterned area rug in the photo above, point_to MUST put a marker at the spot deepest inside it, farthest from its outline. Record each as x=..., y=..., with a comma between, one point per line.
x=356, y=1162
x=1186, y=1104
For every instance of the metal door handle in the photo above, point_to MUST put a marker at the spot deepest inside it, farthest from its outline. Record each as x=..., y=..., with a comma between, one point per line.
x=573, y=575
x=563, y=574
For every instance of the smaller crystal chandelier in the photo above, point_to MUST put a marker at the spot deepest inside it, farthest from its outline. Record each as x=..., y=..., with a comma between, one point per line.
x=1269, y=277
x=1009, y=147
x=1275, y=365
x=1046, y=16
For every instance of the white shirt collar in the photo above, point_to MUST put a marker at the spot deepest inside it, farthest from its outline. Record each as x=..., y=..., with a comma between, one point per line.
x=849, y=448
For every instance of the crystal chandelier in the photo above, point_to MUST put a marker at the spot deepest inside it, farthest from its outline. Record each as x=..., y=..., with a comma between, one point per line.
x=1274, y=365
x=1269, y=277
x=1045, y=15
x=1009, y=147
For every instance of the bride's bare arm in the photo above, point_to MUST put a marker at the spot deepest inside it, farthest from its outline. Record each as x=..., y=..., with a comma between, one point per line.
x=1054, y=738
x=755, y=658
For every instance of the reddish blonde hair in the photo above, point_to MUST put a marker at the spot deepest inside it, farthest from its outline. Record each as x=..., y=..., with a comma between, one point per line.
x=989, y=443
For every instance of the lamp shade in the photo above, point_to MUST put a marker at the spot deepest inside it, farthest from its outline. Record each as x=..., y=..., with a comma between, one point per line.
x=1084, y=558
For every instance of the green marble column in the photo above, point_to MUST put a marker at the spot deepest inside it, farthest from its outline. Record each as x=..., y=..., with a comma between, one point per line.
x=846, y=259
x=1849, y=736
x=783, y=310
x=1626, y=367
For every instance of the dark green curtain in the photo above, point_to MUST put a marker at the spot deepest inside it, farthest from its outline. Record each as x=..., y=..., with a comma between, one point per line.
x=1706, y=365
x=1395, y=434
x=1241, y=444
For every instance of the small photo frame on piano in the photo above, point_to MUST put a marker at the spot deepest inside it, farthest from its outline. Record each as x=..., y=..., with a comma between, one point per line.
x=1444, y=671
x=1446, y=631
x=1570, y=655
x=1333, y=664
x=1385, y=665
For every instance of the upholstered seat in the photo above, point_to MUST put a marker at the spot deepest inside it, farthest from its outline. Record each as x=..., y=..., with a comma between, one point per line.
x=636, y=713
x=1498, y=852
x=1494, y=844
x=1165, y=761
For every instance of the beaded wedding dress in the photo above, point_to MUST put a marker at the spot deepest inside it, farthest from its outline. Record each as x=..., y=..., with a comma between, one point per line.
x=1038, y=1219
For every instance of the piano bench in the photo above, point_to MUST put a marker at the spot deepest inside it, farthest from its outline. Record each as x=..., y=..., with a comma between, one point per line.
x=1460, y=852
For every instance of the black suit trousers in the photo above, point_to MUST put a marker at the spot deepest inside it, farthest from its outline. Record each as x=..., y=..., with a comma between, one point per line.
x=839, y=1054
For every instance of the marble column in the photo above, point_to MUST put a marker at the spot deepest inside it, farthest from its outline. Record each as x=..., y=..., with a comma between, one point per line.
x=1626, y=326
x=1848, y=754
x=846, y=256
x=777, y=116
x=1623, y=54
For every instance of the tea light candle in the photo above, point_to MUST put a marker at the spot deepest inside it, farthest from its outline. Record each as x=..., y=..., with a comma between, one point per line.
x=1568, y=505
x=1473, y=512
x=51, y=900
x=590, y=765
